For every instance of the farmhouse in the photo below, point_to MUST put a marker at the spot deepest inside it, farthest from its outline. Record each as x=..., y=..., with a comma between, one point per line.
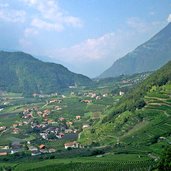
x=3, y=153
x=73, y=144
x=68, y=131
x=60, y=135
x=121, y=93
x=35, y=153
x=85, y=126
x=86, y=101
x=78, y=117
x=53, y=101
x=42, y=146
x=2, y=128
x=15, y=131
x=33, y=148
x=69, y=123
x=4, y=147
x=61, y=119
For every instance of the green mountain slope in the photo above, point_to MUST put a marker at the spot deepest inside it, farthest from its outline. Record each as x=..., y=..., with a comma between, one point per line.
x=20, y=72
x=148, y=57
x=142, y=118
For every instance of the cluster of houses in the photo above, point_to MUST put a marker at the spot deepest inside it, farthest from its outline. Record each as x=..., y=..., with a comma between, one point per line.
x=45, y=129
x=44, y=95
x=55, y=132
x=93, y=95
x=17, y=147
x=41, y=149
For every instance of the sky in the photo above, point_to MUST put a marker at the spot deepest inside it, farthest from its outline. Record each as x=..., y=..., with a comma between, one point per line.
x=86, y=36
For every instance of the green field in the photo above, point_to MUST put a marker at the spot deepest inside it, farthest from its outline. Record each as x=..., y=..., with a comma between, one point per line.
x=108, y=162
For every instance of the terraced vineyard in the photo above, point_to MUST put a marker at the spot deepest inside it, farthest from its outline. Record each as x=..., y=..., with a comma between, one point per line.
x=140, y=121
x=155, y=127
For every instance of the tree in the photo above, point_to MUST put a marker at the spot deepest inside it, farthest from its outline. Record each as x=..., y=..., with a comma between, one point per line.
x=165, y=161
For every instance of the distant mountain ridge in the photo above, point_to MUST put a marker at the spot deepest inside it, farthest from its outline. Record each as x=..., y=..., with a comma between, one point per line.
x=21, y=72
x=149, y=56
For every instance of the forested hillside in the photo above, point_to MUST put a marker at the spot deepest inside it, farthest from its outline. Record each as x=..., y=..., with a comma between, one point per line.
x=20, y=72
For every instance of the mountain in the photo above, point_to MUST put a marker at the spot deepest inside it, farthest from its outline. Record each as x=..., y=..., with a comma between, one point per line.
x=140, y=120
x=148, y=57
x=21, y=72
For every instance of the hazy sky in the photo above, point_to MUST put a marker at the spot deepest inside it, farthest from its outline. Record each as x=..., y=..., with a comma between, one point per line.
x=85, y=35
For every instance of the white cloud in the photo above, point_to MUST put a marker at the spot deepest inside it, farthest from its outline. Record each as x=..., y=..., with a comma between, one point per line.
x=41, y=24
x=108, y=46
x=51, y=16
x=169, y=18
x=46, y=16
x=11, y=15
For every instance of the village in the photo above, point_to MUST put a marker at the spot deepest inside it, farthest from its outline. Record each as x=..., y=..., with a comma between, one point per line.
x=46, y=124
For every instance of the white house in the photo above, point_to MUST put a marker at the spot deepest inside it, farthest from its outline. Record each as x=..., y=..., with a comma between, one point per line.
x=73, y=144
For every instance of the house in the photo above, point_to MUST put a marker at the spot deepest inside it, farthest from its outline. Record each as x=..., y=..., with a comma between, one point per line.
x=44, y=135
x=98, y=98
x=47, y=112
x=44, y=151
x=53, y=101
x=33, y=148
x=14, y=125
x=2, y=128
x=93, y=95
x=78, y=117
x=3, y=153
x=61, y=119
x=58, y=108
x=39, y=113
x=50, y=121
x=15, y=131
x=63, y=96
x=4, y=147
x=68, y=131
x=105, y=95
x=20, y=124
x=60, y=135
x=121, y=93
x=85, y=126
x=69, y=123
x=35, y=153
x=42, y=146
x=75, y=131
x=86, y=101
x=51, y=130
x=73, y=144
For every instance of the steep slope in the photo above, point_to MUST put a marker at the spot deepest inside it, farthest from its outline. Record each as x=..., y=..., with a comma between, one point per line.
x=141, y=119
x=20, y=72
x=148, y=57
